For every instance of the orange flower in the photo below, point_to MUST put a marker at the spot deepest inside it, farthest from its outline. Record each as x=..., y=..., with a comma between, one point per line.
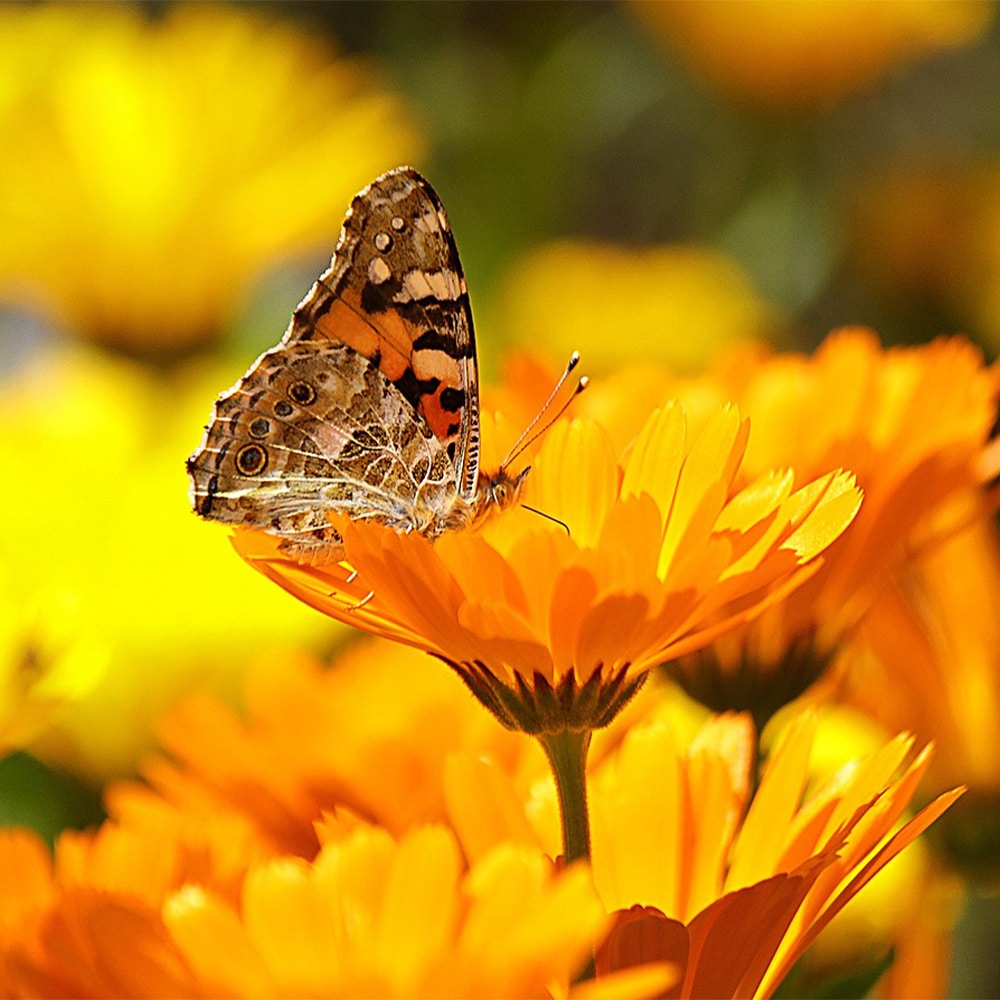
x=914, y=425
x=742, y=890
x=555, y=626
x=230, y=878
x=374, y=918
x=728, y=883
x=252, y=831
x=26, y=893
x=368, y=916
x=101, y=888
x=369, y=735
x=926, y=657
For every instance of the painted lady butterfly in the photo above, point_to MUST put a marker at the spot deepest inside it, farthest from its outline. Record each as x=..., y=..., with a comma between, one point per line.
x=370, y=404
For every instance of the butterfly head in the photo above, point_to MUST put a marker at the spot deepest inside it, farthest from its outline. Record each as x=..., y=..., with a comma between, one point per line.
x=501, y=489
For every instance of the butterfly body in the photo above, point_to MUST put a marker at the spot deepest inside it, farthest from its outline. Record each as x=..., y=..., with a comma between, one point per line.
x=369, y=406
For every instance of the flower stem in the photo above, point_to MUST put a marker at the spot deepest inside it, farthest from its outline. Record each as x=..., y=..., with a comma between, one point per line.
x=567, y=753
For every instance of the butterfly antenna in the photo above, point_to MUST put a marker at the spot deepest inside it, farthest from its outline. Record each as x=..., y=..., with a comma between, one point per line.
x=548, y=517
x=532, y=432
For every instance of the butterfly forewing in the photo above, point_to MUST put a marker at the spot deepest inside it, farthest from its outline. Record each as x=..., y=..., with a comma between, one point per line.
x=395, y=292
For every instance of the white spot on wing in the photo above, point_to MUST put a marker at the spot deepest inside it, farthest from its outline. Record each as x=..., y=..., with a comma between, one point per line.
x=378, y=271
x=443, y=285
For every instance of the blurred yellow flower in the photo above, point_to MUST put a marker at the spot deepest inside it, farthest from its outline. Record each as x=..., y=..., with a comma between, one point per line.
x=369, y=916
x=925, y=941
x=811, y=52
x=914, y=425
x=904, y=908
x=45, y=662
x=899, y=924
x=554, y=626
x=675, y=304
x=112, y=588
x=151, y=169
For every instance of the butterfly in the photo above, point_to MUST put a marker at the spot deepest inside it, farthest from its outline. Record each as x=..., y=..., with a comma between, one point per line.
x=369, y=405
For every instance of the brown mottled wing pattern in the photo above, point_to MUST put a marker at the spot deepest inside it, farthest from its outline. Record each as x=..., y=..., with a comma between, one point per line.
x=315, y=427
x=395, y=293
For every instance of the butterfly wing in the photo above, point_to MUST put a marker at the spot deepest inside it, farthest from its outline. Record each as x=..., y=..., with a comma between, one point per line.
x=315, y=427
x=370, y=403
x=396, y=294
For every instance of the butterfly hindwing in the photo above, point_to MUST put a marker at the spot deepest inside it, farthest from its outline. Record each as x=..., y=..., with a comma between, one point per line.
x=314, y=427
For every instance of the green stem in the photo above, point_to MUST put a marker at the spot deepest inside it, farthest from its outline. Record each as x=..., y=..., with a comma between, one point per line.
x=567, y=753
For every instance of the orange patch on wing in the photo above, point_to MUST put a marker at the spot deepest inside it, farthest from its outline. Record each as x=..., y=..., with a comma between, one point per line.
x=343, y=324
x=436, y=364
x=438, y=418
x=386, y=333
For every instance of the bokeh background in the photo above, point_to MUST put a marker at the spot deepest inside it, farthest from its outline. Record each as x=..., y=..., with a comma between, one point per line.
x=639, y=181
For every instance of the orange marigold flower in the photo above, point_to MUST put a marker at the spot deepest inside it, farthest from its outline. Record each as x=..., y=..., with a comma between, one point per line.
x=26, y=892
x=914, y=425
x=265, y=779
x=926, y=656
x=378, y=918
x=88, y=917
x=554, y=626
x=741, y=889
x=368, y=916
x=728, y=883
